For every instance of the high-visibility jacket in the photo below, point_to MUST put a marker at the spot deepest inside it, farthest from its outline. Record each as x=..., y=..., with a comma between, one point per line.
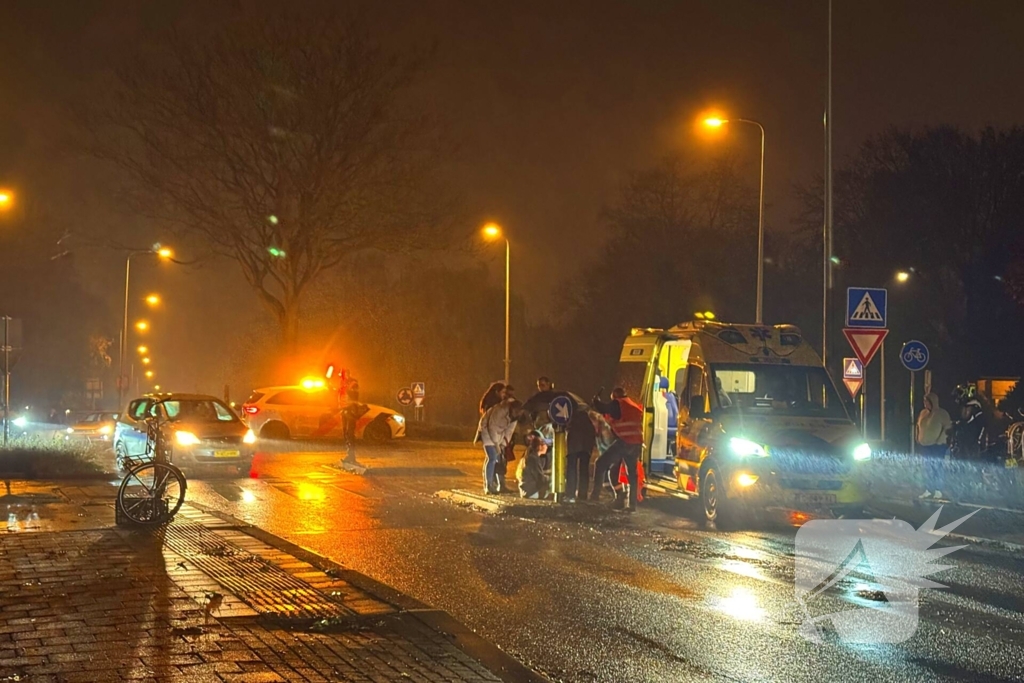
x=630, y=425
x=641, y=479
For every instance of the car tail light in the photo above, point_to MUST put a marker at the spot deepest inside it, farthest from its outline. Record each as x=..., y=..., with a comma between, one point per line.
x=250, y=410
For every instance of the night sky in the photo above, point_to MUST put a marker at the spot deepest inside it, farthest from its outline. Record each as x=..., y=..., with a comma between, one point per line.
x=552, y=103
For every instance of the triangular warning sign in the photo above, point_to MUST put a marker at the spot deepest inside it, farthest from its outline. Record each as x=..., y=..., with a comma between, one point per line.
x=852, y=368
x=853, y=386
x=866, y=310
x=865, y=343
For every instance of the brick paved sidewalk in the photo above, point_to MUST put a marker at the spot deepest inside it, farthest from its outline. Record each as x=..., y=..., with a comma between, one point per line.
x=201, y=600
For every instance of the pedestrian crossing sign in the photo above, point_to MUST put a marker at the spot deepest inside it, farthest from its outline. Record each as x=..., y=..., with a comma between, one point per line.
x=866, y=307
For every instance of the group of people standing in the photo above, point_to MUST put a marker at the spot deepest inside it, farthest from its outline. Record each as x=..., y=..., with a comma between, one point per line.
x=975, y=437
x=614, y=427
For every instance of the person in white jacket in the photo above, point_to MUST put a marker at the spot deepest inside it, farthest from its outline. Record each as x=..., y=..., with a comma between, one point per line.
x=933, y=425
x=497, y=426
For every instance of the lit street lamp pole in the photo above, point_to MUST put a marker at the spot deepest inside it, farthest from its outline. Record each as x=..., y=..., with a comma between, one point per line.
x=160, y=252
x=493, y=231
x=715, y=122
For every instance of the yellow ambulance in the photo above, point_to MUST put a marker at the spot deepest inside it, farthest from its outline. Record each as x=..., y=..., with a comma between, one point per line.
x=744, y=419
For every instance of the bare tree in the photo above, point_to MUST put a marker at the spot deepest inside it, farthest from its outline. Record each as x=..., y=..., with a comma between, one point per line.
x=682, y=238
x=283, y=141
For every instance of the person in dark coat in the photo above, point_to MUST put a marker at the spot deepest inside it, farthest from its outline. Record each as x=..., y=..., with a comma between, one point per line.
x=582, y=439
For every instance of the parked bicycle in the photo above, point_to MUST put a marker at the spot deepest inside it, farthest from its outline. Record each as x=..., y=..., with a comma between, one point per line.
x=153, y=490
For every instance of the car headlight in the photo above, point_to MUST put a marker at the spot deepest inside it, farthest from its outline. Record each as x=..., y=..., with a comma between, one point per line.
x=250, y=437
x=400, y=419
x=862, y=452
x=106, y=429
x=70, y=430
x=746, y=447
x=20, y=422
x=746, y=479
x=186, y=438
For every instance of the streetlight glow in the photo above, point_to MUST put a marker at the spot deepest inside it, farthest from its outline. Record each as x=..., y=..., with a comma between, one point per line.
x=902, y=276
x=142, y=326
x=165, y=253
x=145, y=361
x=143, y=349
x=493, y=231
x=153, y=299
x=6, y=199
x=717, y=122
x=149, y=374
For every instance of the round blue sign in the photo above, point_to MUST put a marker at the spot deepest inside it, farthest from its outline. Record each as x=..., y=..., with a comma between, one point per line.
x=914, y=355
x=560, y=410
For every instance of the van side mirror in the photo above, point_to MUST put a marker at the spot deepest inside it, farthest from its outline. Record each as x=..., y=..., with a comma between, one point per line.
x=696, y=407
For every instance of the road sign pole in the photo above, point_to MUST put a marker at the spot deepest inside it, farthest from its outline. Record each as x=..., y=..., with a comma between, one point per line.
x=913, y=423
x=7, y=378
x=881, y=416
x=558, y=464
x=914, y=355
x=864, y=406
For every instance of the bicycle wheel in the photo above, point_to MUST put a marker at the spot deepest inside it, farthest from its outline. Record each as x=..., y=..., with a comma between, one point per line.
x=151, y=493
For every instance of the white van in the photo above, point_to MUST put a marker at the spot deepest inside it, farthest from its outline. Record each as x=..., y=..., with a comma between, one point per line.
x=742, y=417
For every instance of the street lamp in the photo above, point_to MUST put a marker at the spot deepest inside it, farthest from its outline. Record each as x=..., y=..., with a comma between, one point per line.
x=902, y=276
x=6, y=199
x=493, y=231
x=146, y=361
x=149, y=374
x=162, y=253
x=716, y=122
x=153, y=299
x=142, y=326
x=143, y=349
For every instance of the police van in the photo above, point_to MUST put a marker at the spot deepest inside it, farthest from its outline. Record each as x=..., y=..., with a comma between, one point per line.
x=743, y=418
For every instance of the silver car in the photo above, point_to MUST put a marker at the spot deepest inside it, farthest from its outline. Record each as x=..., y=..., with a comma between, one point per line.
x=195, y=429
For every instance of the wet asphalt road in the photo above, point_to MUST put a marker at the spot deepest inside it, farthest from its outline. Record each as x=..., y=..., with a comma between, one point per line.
x=609, y=597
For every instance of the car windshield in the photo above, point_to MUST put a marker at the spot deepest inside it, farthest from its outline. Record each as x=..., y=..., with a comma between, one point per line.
x=197, y=410
x=784, y=390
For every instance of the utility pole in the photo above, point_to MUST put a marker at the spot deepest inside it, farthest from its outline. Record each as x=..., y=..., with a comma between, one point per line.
x=826, y=289
x=7, y=378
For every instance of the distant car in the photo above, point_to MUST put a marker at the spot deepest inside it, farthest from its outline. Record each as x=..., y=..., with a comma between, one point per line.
x=294, y=412
x=197, y=430
x=95, y=427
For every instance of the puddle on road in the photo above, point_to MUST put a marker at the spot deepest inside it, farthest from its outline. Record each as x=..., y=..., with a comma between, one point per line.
x=731, y=557
x=31, y=516
x=741, y=604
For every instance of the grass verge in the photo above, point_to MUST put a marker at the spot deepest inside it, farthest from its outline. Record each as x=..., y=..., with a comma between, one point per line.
x=45, y=459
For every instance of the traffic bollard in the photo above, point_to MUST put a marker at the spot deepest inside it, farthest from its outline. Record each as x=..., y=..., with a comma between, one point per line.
x=558, y=464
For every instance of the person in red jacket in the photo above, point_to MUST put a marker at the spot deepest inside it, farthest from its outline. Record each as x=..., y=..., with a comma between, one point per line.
x=626, y=420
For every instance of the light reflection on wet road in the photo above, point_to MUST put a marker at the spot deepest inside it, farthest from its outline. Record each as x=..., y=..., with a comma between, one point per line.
x=644, y=597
